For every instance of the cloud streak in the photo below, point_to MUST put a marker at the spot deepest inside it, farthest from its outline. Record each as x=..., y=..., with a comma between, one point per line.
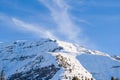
x=36, y=30
x=65, y=28
x=22, y=26
x=62, y=18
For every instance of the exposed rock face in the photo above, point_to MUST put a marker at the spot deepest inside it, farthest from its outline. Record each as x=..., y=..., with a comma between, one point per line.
x=45, y=73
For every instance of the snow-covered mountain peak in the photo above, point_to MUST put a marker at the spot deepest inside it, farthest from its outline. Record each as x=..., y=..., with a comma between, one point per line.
x=56, y=60
x=76, y=49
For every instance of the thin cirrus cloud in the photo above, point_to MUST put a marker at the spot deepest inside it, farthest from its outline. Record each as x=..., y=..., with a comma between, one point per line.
x=62, y=18
x=5, y=20
x=36, y=30
x=22, y=26
x=65, y=27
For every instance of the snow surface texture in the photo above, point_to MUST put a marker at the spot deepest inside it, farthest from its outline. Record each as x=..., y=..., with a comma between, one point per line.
x=55, y=60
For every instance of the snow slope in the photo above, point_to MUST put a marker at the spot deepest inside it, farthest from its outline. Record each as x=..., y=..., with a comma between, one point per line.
x=55, y=60
x=102, y=67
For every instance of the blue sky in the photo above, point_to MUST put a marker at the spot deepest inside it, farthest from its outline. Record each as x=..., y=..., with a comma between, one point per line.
x=92, y=23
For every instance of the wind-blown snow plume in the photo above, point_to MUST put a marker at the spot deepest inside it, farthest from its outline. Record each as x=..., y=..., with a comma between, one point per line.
x=61, y=17
x=37, y=30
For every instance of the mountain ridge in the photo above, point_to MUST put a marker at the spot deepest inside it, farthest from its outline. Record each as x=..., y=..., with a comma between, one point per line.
x=55, y=60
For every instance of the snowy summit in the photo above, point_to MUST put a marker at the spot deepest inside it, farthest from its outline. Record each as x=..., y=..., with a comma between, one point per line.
x=48, y=59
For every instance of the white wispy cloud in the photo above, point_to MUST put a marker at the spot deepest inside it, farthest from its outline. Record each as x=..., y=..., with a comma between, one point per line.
x=36, y=30
x=5, y=20
x=22, y=26
x=83, y=21
x=62, y=18
x=59, y=11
